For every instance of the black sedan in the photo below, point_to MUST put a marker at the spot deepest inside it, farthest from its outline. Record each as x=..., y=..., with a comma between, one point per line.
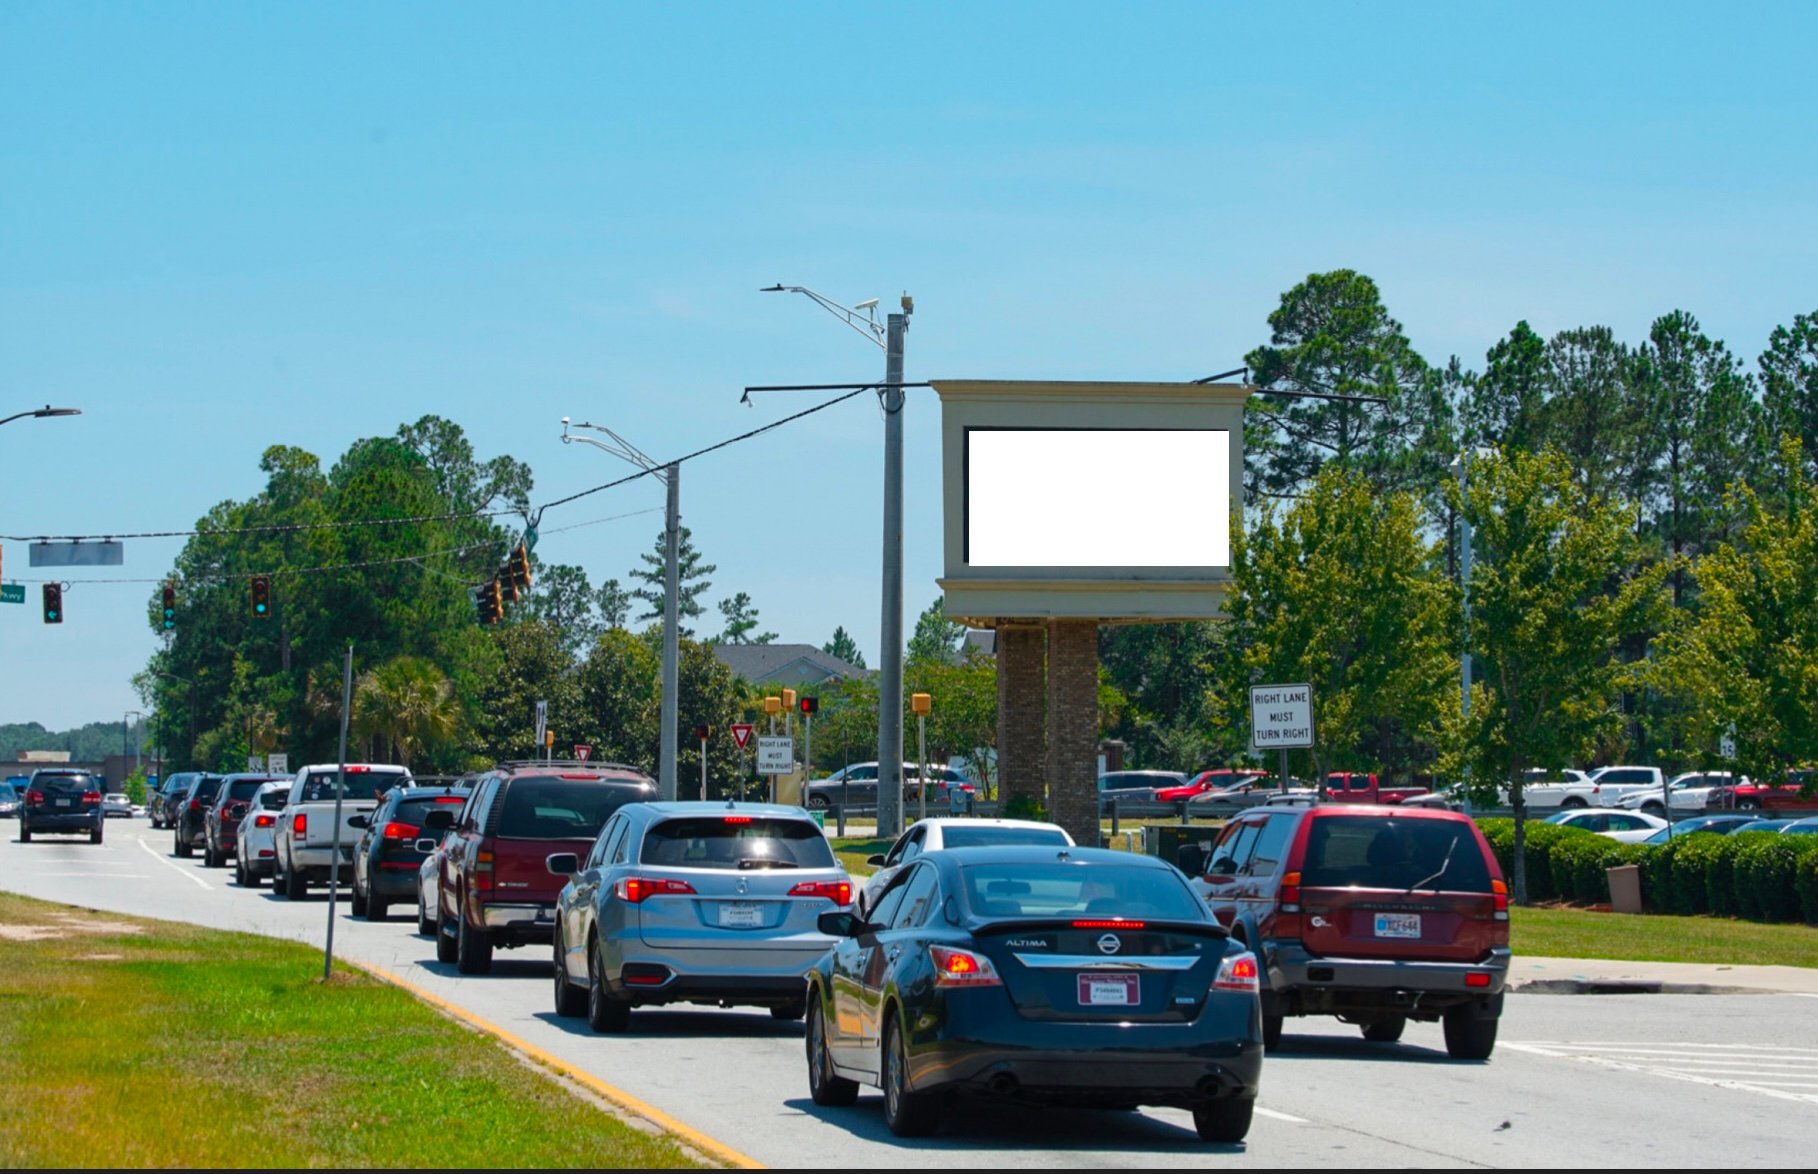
x=1070, y=976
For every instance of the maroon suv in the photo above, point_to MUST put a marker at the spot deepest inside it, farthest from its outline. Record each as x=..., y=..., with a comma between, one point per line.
x=1376, y=915
x=494, y=880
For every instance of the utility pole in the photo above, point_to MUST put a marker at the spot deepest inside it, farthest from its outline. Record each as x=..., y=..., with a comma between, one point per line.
x=890, y=626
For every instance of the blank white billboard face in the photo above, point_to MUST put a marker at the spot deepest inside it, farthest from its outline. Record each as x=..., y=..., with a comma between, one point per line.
x=1075, y=497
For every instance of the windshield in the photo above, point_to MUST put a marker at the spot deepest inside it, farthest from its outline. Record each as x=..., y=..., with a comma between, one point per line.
x=972, y=837
x=244, y=788
x=737, y=842
x=1095, y=889
x=1375, y=853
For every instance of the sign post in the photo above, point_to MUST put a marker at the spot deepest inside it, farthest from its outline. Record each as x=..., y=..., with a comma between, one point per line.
x=741, y=737
x=1281, y=718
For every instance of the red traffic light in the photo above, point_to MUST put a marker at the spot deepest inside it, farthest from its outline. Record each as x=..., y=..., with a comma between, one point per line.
x=702, y=733
x=811, y=704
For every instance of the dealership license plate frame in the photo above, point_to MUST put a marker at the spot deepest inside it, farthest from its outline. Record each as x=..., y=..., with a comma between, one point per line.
x=1110, y=989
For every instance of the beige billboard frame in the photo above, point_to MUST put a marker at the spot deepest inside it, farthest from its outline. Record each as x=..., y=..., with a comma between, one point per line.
x=982, y=597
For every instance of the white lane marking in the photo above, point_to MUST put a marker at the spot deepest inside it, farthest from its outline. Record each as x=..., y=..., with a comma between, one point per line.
x=1273, y=1115
x=1654, y=1063
x=176, y=868
x=103, y=875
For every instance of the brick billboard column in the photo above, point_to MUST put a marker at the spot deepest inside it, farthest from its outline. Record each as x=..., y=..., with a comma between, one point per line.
x=1073, y=727
x=1021, y=711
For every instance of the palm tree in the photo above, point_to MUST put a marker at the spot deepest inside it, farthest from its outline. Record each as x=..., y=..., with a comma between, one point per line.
x=409, y=704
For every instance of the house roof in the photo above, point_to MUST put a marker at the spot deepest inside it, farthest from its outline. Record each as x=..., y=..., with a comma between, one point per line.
x=759, y=663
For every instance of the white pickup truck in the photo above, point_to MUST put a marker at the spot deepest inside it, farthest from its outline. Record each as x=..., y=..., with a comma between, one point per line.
x=1604, y=787
x=304, y=839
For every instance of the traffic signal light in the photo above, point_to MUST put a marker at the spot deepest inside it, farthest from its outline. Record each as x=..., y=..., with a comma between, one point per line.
x=170, y=606
x=508, y=588
x=519, y=567
x=811, y=704
x=490, y=603
x=261, y=597
x=702, y=733
x=53, y=603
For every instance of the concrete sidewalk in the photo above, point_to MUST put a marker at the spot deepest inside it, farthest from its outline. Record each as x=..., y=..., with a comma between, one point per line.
x=1596, y=976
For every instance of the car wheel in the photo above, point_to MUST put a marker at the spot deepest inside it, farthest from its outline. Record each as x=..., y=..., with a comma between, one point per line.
x=357, y=902
x=1653, y=809
x=570, y=1000
x=605, y=1014
x=907, y=1113
x=209, y=859
x=817, y=802
x=25, y=833
x=473, y=948
x=1271, y=1025
x=295, y=887
x=445, y=943
x=182, y=847
x=789, y=1012
x=1748, y=805
x=1386, y=1030
x=240, y=877
x=425, y=923
x=375, y=908
x=1227, y=1120
x=1469, y=1036
x=94, y=837
x=824, y=1085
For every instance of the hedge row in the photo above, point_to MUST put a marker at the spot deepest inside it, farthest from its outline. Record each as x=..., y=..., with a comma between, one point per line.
x=1761, y=876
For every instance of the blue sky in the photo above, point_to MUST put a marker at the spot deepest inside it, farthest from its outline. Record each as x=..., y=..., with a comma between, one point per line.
x=228, y=226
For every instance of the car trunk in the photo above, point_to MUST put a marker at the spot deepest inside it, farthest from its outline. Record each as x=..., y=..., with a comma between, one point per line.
x=1091, y=970
x=727, y=904
x=66, y=794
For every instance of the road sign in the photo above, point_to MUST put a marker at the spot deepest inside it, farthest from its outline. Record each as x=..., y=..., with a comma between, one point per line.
x=254, y=762
x=776, y=754
x=741, y=734
x=277, y=764
x=1281, y=717
x=15, y=593
x=581, y=753
x=542, y=721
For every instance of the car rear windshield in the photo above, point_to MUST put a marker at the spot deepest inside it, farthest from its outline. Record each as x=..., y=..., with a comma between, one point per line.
x=542, y=808
x=1356, y=851
x=737, y=841
x=274, y=800
x=1080, y=889
x=972, y=837
x=209, y=788
x=244, y=788
x=413, y=810
x=361, y=784
x=68, y=782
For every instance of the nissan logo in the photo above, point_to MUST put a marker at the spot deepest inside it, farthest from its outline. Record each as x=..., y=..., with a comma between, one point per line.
x=1110, y=944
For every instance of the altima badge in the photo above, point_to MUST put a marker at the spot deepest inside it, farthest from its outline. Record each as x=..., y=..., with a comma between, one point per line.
x=1110, y=944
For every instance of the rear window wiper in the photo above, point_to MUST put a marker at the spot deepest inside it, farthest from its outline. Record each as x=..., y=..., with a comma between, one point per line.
x=765, y=862
x=1443, y=865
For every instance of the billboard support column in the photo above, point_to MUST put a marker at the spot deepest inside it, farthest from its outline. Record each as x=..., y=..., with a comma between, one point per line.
x=1072, y=766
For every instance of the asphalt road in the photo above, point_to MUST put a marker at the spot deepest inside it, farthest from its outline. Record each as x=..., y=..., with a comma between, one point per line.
x=1580, y=1081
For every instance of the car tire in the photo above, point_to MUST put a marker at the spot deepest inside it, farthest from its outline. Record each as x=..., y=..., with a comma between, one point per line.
x=473, y=948
x=817, y=802
x=375, y=908
x=1385, y=1030
x=425, y=923
x=1469, y=1035
x=356, y=903
x=445, y=944
x=570, y=1000
x=181, y=846
x=1225, y=1121
x=790, y=1012
x=906, y=1113
x=25, y=833
x=605, y=1014
x=1653, y=809
x=295, y=887
x=94, y=837
x=1271, y=1031
x=1572, y=803
x=209, y=859
x=241, y=876
x=1748, y=805
x=824, y=1085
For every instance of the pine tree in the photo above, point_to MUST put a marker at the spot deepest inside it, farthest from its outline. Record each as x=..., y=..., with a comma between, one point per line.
x=691, y=580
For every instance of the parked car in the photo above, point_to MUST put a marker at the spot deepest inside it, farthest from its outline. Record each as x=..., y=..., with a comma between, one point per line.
x=495, y=888
x=1355, y=787
x=1627, y=827
x=190, y=811
x=1691, y=791
x=856, y=786
x=710, y=903
x=1721, y=824
x=1796, y=794
x=1801, y=827
x=1604, y=787
x=394, y=843
x=10, y=799
x=1762, y=825
x=63, y=802
x=1135, y=786
x=1204, y=783
x=115, y=805
x=934, y=834
x=1070, y=977
x=1245, y=794
x=1376, y=915
x=161, y=804
x=254, y=839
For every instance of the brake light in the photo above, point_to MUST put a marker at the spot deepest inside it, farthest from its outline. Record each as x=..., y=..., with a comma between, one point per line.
x=195, y=804
x=299, y=825
x=264, y=821
x=1289, y=896
x=634, y=890
x=957, y=968
x=1478, y=979
x=1109, y=923
x=451, y=799
x=738, y=819
x=34, y=798
x=90, y=798
x=354, y=770
x=1500, y=900
x=400, y=831
x=839, y=892
x=1238, y=973
x=482, y=869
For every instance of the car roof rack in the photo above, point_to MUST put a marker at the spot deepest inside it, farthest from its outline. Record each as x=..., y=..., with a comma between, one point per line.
x=568, y=764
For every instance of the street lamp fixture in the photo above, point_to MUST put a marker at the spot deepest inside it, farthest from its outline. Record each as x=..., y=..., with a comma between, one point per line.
x=46, y=410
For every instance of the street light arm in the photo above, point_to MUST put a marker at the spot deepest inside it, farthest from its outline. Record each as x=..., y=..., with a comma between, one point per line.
x=868, y=325
x=620, y=447
x=46, y=410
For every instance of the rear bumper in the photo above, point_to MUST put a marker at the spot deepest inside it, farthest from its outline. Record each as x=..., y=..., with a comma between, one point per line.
x=1318, y=985
x=515, y=923
x=82, y=821
x=760, y=972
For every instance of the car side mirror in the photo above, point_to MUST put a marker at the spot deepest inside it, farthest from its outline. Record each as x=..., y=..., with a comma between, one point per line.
x=358, y=821
x=841, y=924
x=439, y=820
x=562, y=863
x=1191, y=859
x=876, y=861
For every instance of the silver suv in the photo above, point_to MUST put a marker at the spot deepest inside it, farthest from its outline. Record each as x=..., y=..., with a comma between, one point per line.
x=709, y=903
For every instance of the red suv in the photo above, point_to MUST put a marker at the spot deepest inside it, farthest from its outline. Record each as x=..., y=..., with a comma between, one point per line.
x=1376, y=915
x=495, y=887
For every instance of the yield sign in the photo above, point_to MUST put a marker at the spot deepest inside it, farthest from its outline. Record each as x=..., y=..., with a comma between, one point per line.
x=581, y=753
x=742, y=735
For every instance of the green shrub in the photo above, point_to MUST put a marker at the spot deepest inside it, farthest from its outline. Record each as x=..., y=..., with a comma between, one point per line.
x=1764, y=876
x=1500, y=832
x=1805, y=881
x=1690, y=865
x=1720, y=873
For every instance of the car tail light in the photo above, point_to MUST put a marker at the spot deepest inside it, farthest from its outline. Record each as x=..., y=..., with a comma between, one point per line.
x=195, y=804
x=354, y=770
x=451, y=799
x=1289, y=897
x=635, y=889
x=400, y=831
x=738, y=819
x=1109, y=923
x=1500, y=899
x=1238, y=973
x=90, y=798
x=482, y=869
x=299, y=826
x=34, y=798
x=954, y=968
x=839, y=892
x=1478, y=979
x=264, y=821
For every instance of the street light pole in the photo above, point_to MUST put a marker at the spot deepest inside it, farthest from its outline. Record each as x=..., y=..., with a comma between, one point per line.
x=46, y=410
x=671, y=476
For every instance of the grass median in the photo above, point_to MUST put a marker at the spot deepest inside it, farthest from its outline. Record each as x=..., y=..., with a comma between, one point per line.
x=129, y=1042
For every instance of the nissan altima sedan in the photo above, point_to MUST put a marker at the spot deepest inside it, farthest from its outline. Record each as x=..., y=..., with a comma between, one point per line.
x=1068, y=977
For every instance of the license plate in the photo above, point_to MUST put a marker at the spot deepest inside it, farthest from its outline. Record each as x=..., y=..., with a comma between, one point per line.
x=63, y=803
x=1108, y=990
x=1398, y=925
x=740, y=915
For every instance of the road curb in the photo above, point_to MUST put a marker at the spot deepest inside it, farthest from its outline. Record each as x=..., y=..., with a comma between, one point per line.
x=624, y=1100
x=1619, y=986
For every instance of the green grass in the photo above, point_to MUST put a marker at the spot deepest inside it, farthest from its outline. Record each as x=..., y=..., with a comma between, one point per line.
x=1550, y=932
x=128, y=1042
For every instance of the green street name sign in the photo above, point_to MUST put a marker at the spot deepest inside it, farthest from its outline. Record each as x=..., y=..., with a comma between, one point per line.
x=12, y=593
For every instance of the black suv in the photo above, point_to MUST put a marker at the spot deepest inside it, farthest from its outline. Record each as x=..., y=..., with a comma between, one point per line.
x=189, y=813
x=161, y=804
x=221, y=822
x=63, y=801
x=393, y=845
